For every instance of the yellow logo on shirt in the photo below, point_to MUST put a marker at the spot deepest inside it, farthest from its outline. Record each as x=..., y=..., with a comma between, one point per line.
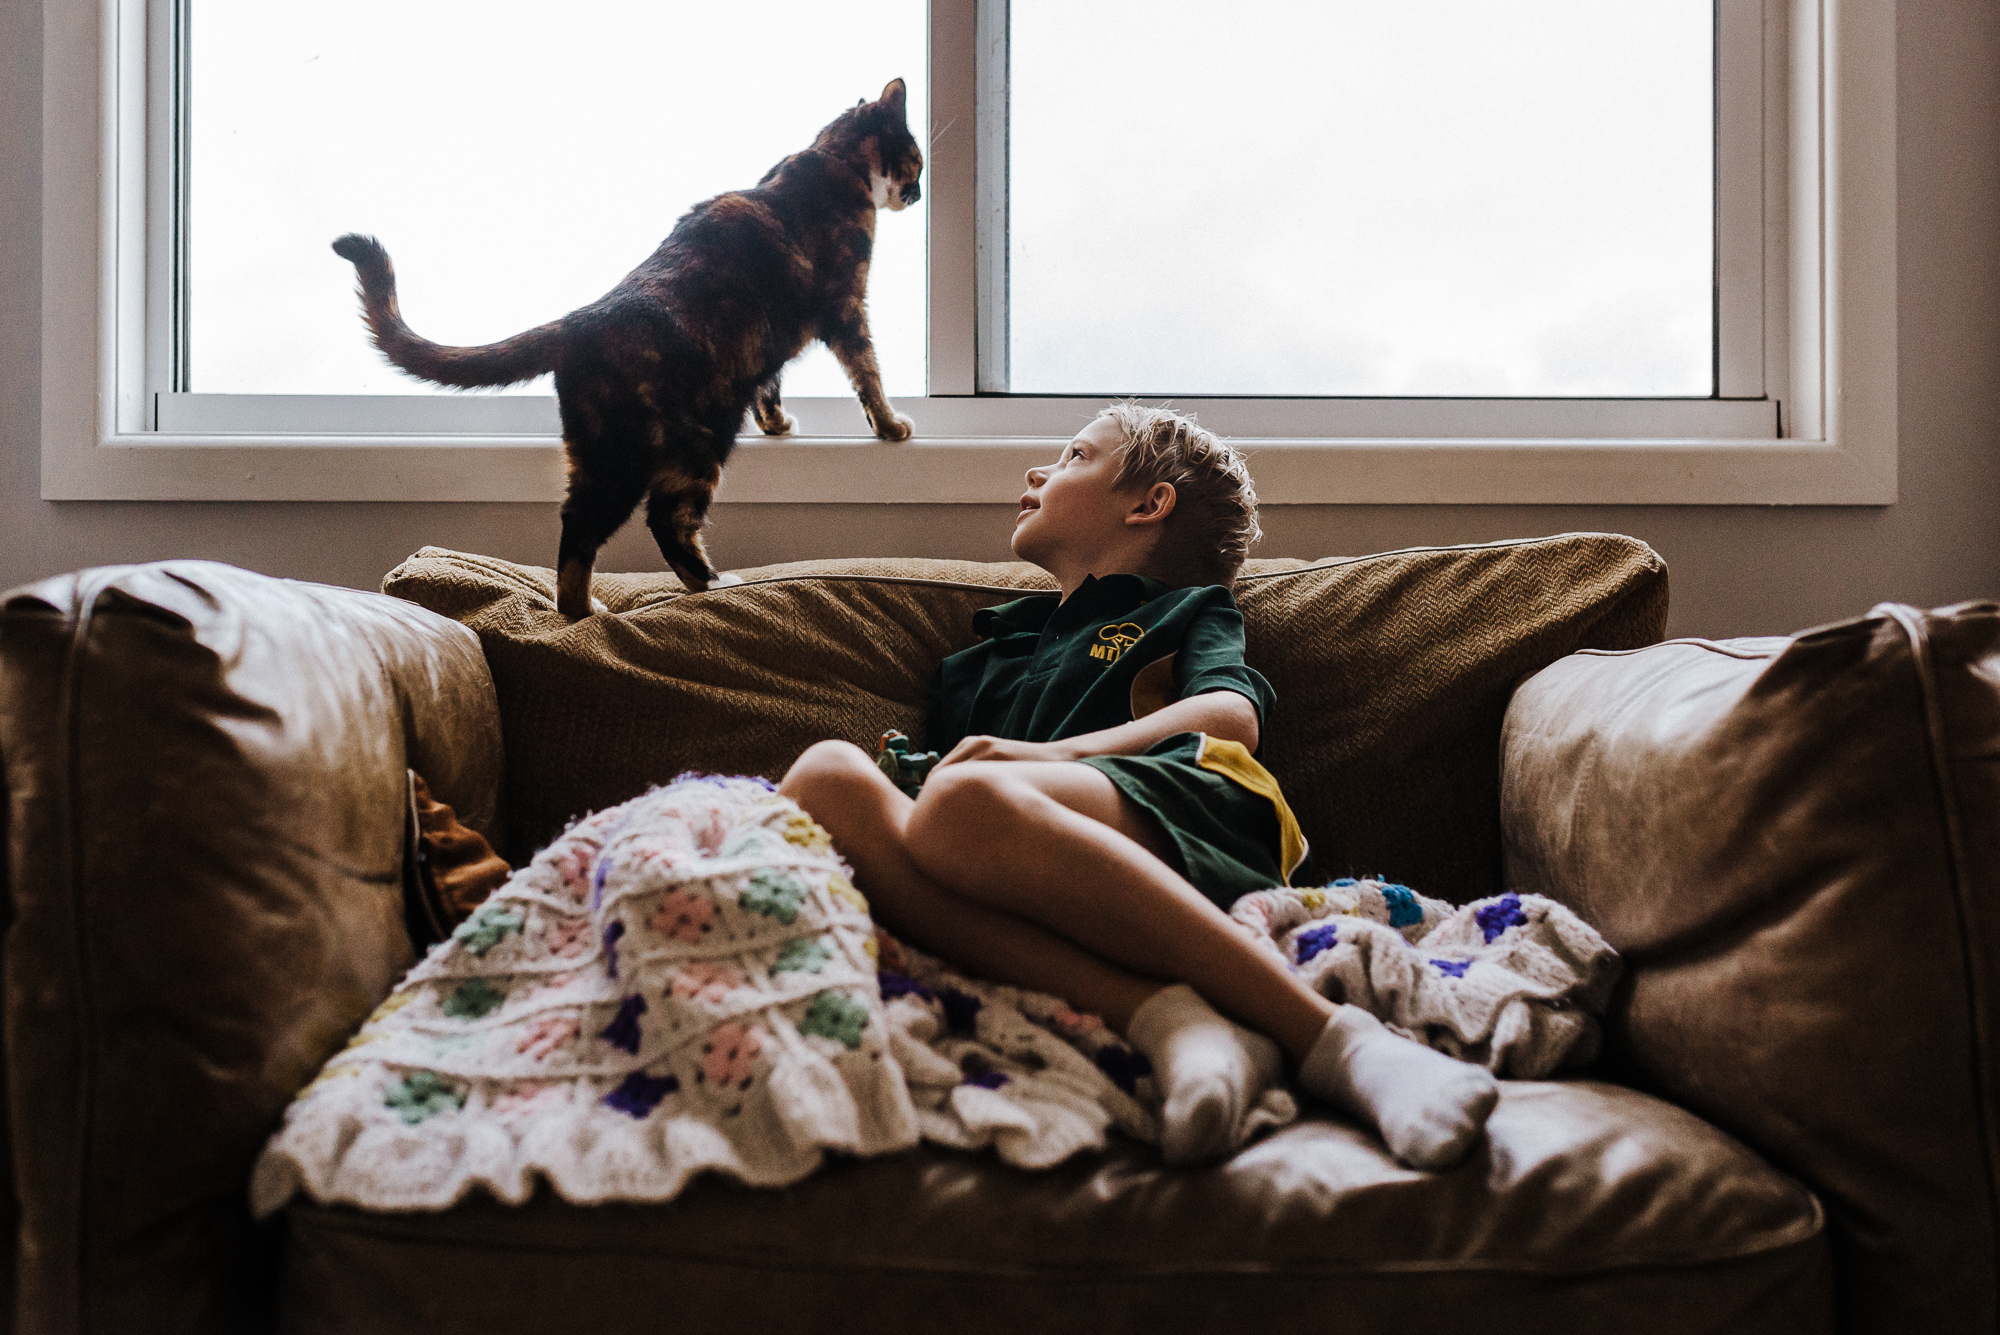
x=1116, y=640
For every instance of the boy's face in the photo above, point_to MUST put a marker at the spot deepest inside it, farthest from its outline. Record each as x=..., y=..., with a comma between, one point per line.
x=1073, y=511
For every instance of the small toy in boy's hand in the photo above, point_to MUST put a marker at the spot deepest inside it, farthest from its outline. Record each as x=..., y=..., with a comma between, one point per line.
x=906, y=769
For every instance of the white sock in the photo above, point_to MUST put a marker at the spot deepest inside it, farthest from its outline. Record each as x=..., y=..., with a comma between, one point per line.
x=1430, y=1108
x=1210, y=1071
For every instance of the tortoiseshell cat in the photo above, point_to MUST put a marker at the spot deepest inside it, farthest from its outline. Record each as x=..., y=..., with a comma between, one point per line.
x=654, y=377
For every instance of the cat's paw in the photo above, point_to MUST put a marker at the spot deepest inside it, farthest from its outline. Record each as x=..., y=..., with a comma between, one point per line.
x=578, y=607
x=895, y=427
x=784, y=426
x=725, y=580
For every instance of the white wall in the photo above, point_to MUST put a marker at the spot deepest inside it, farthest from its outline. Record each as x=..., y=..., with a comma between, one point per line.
x=1736, y=570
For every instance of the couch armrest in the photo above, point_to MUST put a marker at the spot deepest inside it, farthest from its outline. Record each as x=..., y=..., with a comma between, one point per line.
x=206, y=796
x=1795, y=843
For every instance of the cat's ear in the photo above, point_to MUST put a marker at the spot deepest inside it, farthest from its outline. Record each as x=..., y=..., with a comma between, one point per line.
x=892, y=100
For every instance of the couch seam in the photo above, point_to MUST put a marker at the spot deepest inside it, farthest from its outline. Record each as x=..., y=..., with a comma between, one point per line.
x=1799, y=1235
x=1324, y=563
x=1023, y=589
x=1695, y=642
x=1923, y=661
x=68, y=719
x=1332, y=562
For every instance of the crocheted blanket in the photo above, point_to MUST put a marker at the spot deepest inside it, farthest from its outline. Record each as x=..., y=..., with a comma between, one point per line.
x=690, y=982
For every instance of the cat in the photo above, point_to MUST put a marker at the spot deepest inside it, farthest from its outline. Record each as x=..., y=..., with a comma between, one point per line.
x=653, y=379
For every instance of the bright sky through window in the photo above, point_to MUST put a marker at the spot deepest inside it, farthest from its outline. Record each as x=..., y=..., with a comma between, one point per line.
x=517, y=159
x=1427, y=197
x=1432, y=197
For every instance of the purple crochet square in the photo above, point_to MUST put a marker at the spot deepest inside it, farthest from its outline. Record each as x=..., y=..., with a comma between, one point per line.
x=961, y=1011
x=604, y=861
x=1498, y=916
x=1452, y=968
x=987, y=1079
x=1315, y=939
x=612, y=931
x=638, y=1094
x=623, y=1031
x=902, y=985
x=1122, y=1065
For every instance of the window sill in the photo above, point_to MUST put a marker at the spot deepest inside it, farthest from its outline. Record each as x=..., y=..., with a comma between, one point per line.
x=850, y=470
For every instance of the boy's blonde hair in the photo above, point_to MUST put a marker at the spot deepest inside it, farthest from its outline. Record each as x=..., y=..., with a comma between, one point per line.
x=1214, y=520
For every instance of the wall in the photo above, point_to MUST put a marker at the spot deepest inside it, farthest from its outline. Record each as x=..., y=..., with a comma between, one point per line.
x=1736, y=570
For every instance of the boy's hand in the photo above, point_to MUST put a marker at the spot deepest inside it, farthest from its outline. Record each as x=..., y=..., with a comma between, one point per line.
x=1219, y=713
x=981, y=747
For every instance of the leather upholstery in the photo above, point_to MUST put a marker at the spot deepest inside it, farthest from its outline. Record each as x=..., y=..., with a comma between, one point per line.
x=206, y=778
x=1594, y=1208
x=1794, y=844
x=206, y=789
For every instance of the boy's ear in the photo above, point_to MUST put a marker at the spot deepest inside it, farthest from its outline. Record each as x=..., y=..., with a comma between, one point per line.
x=1154, y=506
x=892, y=99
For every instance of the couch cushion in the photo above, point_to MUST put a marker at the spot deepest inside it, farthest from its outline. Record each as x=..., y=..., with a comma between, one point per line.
x=1795, y=843
x=1392, y=673
x=206, y=791
x=1593, y=1208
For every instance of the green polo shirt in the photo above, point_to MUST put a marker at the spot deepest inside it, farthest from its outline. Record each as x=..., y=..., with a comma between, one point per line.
x=1117, y=649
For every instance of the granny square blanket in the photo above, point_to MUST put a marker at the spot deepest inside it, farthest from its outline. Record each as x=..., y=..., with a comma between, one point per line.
x=690, y=981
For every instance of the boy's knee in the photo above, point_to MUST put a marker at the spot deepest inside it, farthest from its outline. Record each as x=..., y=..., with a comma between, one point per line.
x=824, y=766
x=963, y=806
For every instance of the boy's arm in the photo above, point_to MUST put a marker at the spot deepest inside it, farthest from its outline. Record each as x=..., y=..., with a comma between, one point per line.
x=1221, y=713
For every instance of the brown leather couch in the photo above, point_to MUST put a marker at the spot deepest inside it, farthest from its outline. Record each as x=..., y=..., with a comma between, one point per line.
x=1791, y=841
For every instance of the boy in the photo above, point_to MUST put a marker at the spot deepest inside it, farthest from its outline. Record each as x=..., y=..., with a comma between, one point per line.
x=1098, y=806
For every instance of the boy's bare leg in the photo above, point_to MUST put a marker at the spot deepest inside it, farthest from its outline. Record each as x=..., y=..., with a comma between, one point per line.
x=1058, y=844
x=1210, y=1070
x=840, y=787
x=995, y=848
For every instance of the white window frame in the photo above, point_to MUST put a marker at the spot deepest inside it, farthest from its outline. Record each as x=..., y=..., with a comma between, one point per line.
x=1806, y=367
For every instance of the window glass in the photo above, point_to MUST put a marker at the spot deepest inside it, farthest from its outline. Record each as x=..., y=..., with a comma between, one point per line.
x=517, y=159
x=1429, y=197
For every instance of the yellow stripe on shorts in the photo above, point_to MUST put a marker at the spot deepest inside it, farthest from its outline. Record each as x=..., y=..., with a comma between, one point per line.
x=1230, y=759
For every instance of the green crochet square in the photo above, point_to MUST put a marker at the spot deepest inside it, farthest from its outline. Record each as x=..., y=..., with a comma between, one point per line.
x=802, y=955
x=422, y=1094
x=775, y=893
x=837, y=1016
x=474, y=998
x=488, y=927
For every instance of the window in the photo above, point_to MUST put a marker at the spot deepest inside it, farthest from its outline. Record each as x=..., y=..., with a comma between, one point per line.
x=1744, y=270
x=1434, y=198
x=516, y=167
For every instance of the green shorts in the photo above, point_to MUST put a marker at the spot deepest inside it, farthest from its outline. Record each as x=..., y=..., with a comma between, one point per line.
x=1228, y=829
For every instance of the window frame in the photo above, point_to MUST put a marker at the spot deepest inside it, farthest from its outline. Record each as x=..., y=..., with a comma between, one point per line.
x=1806, y=348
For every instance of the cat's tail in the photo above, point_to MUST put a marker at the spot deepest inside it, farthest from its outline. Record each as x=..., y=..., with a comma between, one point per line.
x=511, y=360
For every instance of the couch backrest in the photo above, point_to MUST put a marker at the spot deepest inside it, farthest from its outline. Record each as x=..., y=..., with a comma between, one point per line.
x=1391, y=671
